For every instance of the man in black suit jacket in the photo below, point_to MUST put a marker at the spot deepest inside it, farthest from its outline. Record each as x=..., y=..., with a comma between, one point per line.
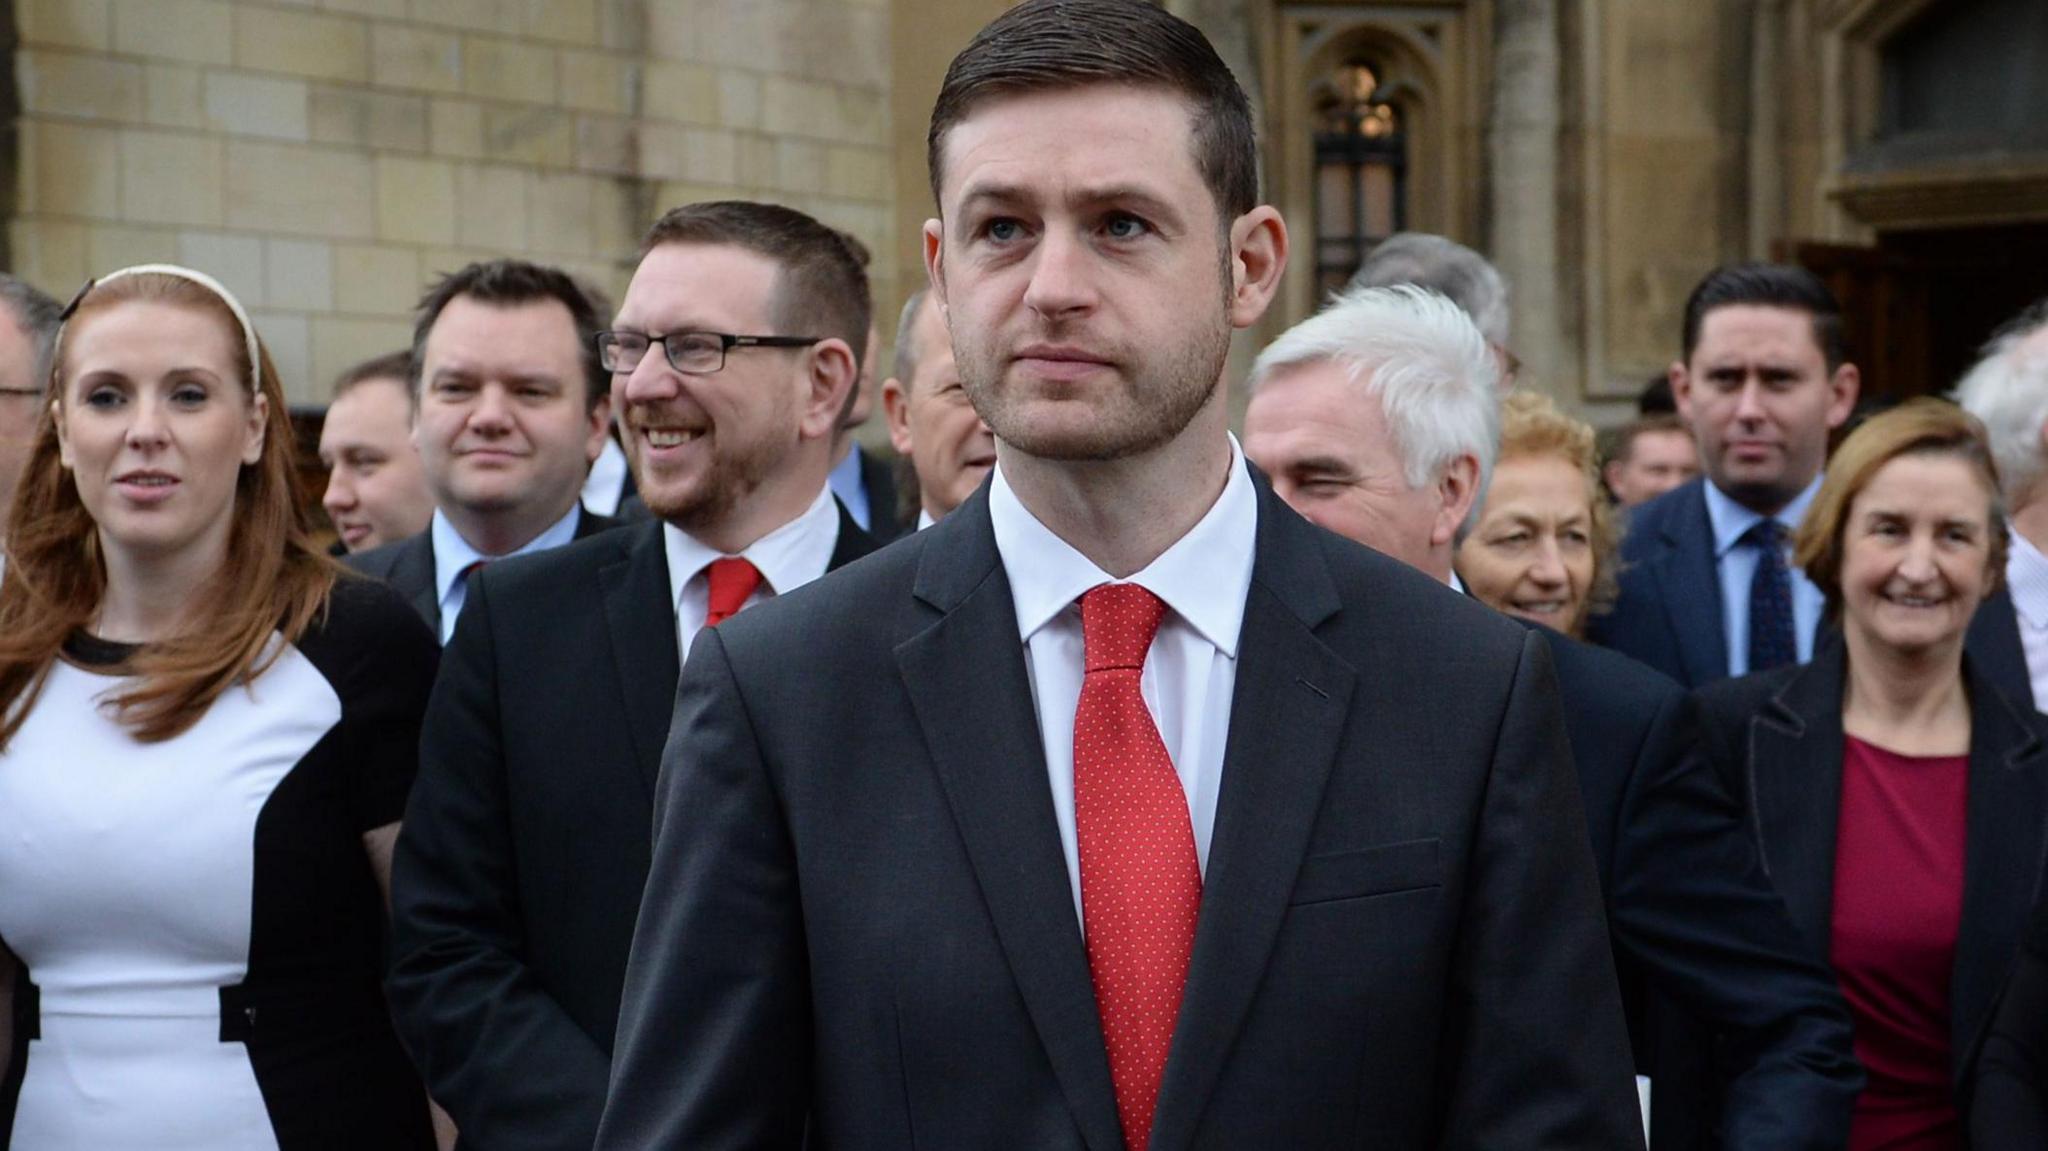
x=1347, y=416
x=519, y=872
x=1762, y=380
x=510, y=408
x=978, y=892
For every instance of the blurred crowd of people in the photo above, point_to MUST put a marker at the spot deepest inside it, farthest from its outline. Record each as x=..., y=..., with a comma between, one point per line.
x=647, y=763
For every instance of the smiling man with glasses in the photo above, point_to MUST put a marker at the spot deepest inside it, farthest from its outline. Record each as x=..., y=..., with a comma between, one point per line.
x=526, y=845
x=25, y=333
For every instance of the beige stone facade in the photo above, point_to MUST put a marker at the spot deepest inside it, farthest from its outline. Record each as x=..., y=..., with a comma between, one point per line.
x=326, y=159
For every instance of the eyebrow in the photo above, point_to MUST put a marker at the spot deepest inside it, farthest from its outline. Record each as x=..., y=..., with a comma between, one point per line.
x=1141, y=200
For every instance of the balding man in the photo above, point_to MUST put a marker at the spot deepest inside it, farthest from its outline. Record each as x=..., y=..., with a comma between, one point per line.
x=2008, y=390
x=1454, y=271
x=931, y=422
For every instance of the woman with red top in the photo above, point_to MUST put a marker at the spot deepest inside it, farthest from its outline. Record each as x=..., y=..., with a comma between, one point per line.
x=1896, y=796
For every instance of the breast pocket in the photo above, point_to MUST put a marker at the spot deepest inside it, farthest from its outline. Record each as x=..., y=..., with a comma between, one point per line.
x=1383, y=870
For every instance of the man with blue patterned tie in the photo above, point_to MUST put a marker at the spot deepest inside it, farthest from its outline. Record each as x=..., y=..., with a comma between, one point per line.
x=1708, y=589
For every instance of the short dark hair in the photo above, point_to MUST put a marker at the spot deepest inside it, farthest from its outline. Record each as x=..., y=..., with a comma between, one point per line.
x=1054, y=45
x=1656, y=399
x=1625, y=439
x=37, y=314
x=1771, y=286
x=822, y=291
x=509, y=283
x=395, y=366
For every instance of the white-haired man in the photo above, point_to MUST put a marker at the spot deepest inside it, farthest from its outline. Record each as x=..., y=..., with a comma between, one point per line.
x=1377, y=419
x=2008, y=390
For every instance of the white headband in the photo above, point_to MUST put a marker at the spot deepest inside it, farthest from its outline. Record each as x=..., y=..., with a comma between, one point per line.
x=204, y=281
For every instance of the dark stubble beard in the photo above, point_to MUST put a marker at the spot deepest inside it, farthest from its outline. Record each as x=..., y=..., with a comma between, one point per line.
x=1147, y=409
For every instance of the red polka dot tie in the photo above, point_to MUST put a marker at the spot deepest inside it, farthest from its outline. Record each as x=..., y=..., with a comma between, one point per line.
x=732, y=580
x=1140, y=885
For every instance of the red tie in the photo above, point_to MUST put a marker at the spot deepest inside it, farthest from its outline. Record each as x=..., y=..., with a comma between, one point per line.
x=1140, y=885
x=732, y=581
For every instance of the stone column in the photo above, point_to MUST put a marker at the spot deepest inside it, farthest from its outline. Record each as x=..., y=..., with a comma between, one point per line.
x=1522, y=150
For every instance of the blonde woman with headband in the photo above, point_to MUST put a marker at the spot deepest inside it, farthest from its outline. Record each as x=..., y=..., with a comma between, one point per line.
x=206, y=741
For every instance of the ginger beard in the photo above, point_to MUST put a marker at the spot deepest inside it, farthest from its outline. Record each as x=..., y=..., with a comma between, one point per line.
x=725, y=467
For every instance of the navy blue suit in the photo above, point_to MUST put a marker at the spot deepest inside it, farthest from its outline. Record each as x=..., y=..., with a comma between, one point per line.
x=1669, y=614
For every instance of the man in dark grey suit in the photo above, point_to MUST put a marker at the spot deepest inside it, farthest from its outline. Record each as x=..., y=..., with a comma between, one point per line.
x=1371, y=417
x=518, y=875
x=510, y=407
x=1271, y=842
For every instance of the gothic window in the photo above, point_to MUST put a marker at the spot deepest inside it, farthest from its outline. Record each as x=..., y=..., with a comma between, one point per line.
x=1361, y=170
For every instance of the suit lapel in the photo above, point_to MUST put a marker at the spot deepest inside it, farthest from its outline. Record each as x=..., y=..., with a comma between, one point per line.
x=640, y=618
x=1691, y=582
x=1795, y=763
x=967, y=684
x=851, y=544
x=412, y=573
x=2008, y=792
x=1287, y=715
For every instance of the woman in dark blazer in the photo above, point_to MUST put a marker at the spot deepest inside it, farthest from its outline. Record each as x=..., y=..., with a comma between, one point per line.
x=1898, y=798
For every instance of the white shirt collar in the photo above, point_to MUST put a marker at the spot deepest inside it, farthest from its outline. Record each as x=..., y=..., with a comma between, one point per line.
x=924, y=519
x=1204, y=577
x=787, y=558
x=453, y=555
x=2026, y=573
x=1730, y=519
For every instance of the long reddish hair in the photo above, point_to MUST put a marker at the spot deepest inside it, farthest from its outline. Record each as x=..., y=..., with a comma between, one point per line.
x=274, y=579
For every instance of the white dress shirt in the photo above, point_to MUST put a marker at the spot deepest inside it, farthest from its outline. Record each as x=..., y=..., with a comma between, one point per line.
x=453, y=555
x=2026, y=573
x=1192, y=666
x=605, y=487
x=1736, y=562
x=924, y=520
x=787, y=558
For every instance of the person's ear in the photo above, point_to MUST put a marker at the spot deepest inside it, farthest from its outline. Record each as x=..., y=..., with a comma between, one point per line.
x=1681, y=389
x=599, y=427
x=896, y=411
x=1258, y=258
x=829, y=375
x=254, y=431
x=1457, y=490
x=935, y=261
x=1844, y=385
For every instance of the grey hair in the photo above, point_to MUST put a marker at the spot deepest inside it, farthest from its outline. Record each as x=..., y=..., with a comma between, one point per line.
x=905, y=364
x=1443, y=266
x=38, y=316
x=2009, y=394
x=1425, y=360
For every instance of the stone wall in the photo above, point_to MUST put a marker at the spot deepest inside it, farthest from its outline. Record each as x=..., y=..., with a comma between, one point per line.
x=328, y=159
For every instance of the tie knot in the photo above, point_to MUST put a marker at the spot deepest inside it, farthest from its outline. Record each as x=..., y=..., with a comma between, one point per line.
x=1765, y=533
x=731, y=581
x=1118, y=621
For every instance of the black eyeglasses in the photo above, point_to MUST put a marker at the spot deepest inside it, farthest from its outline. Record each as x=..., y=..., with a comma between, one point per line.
x=698, y=352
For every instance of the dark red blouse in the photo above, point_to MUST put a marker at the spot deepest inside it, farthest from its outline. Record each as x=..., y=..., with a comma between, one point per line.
x=1898, y=908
